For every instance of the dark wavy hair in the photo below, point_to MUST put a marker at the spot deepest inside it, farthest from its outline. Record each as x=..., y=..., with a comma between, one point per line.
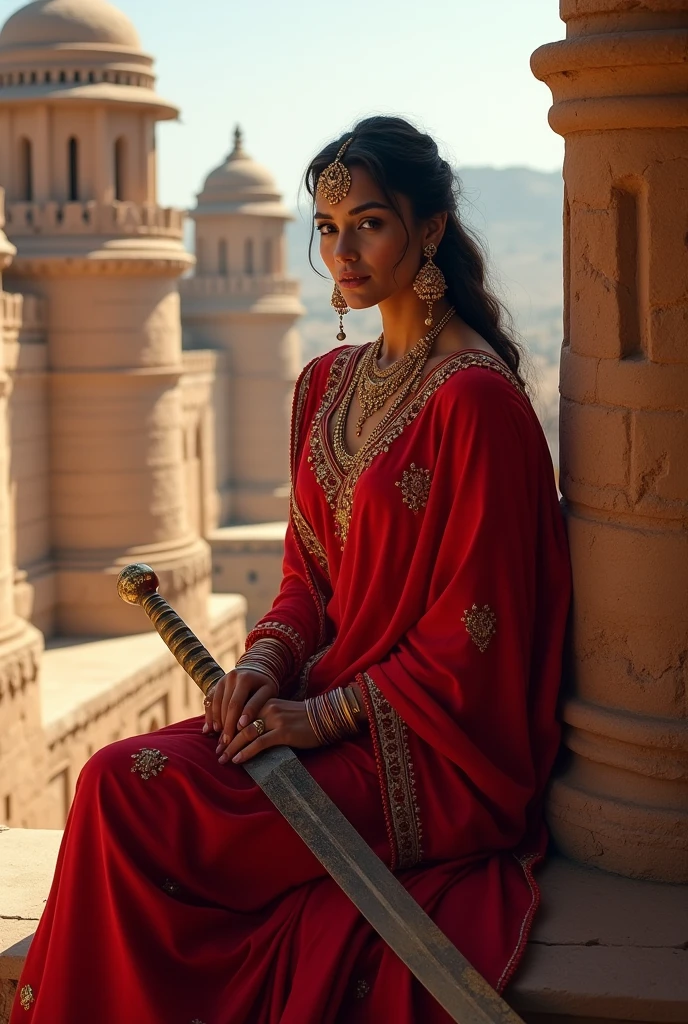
x=403, y=160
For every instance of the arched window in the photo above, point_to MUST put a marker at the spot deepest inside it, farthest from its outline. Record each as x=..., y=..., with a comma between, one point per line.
x=91, y=76
x=63, y=76
x=222, y=257
x=73, y=169
x=25, y=170
x=21, y=77
x=34, y=77
x=248, y=256
x=200, y=256
x=47, y=77
x=120, y=165
x=267, y=256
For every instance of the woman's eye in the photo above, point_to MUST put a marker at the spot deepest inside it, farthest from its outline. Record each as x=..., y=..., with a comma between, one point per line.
x=370, y=222
x=324, y=229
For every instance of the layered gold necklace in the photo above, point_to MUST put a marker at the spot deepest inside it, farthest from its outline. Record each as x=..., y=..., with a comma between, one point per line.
x=374, y=387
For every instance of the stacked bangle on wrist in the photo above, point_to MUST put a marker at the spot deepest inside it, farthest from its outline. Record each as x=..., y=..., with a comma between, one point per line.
x=334, y=715
x=269, y=657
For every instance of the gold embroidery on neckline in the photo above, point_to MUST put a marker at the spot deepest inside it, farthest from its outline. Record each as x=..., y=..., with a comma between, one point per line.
x=339, y=489
x=148, y=762
x=327, y=472
x=415, y=487
x=481, y=625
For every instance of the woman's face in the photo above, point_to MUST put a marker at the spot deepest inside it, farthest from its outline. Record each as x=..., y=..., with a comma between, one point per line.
x=362, y=242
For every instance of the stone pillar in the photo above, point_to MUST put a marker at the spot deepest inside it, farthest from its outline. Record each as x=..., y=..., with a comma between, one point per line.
x=620, y=87
x=22, y=745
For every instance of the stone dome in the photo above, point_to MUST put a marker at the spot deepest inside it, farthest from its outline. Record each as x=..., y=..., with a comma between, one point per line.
x=54, y=22
x=238, y=180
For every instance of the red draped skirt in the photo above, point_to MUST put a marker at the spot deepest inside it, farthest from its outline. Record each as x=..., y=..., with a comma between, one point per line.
x=186, y=898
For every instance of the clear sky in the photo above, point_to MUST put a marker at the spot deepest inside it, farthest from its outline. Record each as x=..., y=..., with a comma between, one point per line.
x=296, y=74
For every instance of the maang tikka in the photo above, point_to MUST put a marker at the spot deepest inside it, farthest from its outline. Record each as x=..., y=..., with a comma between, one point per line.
x=339, y=303
x=335, y=181
x=429, y=284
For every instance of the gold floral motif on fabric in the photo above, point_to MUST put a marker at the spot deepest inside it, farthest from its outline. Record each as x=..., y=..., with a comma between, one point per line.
x=481, y=625
x=362, y=988
x=26, y=997
x=415, y=487
x=398, y=777
x=339, y=486
x=148, y=762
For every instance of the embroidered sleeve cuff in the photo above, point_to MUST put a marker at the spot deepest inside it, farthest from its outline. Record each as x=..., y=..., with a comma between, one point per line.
x=287, y=635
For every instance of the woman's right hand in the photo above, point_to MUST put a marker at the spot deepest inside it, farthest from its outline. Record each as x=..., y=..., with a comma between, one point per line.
x=238, y=693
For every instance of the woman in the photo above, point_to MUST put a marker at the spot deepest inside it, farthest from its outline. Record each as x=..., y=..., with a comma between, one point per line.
x=412, y=657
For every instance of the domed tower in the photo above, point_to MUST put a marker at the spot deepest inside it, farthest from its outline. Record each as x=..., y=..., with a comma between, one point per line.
x=78, y=110
x=242, y=303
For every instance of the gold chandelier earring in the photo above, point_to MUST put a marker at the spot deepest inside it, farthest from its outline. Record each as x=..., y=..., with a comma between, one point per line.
x=429, y=284
x=339, y=303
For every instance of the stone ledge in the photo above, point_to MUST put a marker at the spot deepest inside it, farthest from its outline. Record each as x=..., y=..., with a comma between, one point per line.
x=603, y=949
x=261, y=537
x=83, y=678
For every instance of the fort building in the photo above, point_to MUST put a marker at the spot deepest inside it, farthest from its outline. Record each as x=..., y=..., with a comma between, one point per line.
x=118, y=443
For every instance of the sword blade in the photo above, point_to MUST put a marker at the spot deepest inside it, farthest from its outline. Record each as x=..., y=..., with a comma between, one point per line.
x=376, y=892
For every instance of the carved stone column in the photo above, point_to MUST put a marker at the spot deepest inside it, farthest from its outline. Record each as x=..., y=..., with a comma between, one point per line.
x=620, y=86
x=22, y=745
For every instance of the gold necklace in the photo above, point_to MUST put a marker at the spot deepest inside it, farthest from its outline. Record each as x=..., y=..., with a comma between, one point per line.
x=376, y=386
x=342, y=454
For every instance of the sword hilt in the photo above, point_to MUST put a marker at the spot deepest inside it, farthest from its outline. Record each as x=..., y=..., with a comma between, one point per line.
x=138, y=584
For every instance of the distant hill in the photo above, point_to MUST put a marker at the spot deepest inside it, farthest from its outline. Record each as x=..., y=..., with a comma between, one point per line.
x=517, y=214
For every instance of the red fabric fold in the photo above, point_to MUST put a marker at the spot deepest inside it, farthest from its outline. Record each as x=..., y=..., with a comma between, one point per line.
x=438, y=576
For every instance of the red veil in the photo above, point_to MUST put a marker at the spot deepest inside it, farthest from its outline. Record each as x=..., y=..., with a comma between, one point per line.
x=435, y=572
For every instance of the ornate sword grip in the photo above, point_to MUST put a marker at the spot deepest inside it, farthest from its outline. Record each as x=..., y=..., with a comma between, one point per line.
x=138, y=584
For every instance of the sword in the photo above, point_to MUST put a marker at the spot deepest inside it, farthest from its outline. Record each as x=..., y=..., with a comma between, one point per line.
x=371, y=887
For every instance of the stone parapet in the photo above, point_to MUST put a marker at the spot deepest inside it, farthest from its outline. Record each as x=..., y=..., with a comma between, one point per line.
x=93, y=218
x=619, y=82
x=238, y=284
x=249, y=559
x=22, y=312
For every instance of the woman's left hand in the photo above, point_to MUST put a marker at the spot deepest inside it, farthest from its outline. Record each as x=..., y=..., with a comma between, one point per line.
x=286, y=725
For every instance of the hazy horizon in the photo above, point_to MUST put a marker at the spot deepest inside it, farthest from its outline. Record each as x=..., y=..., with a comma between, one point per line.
x=296, y=77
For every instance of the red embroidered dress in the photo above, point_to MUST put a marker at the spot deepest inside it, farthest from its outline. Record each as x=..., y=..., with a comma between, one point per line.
x=433, y=568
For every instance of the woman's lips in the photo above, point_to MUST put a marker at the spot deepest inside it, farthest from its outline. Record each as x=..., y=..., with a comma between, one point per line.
x=353, y=282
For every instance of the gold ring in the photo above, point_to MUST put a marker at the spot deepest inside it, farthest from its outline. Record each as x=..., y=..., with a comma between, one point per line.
x=207, y=702
x=260, y=726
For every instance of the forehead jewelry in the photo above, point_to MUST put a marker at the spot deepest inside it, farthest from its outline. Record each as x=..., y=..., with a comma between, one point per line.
x=335, y=181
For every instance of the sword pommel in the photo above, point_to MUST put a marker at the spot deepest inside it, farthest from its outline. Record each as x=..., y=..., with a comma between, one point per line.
x=137, y=581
